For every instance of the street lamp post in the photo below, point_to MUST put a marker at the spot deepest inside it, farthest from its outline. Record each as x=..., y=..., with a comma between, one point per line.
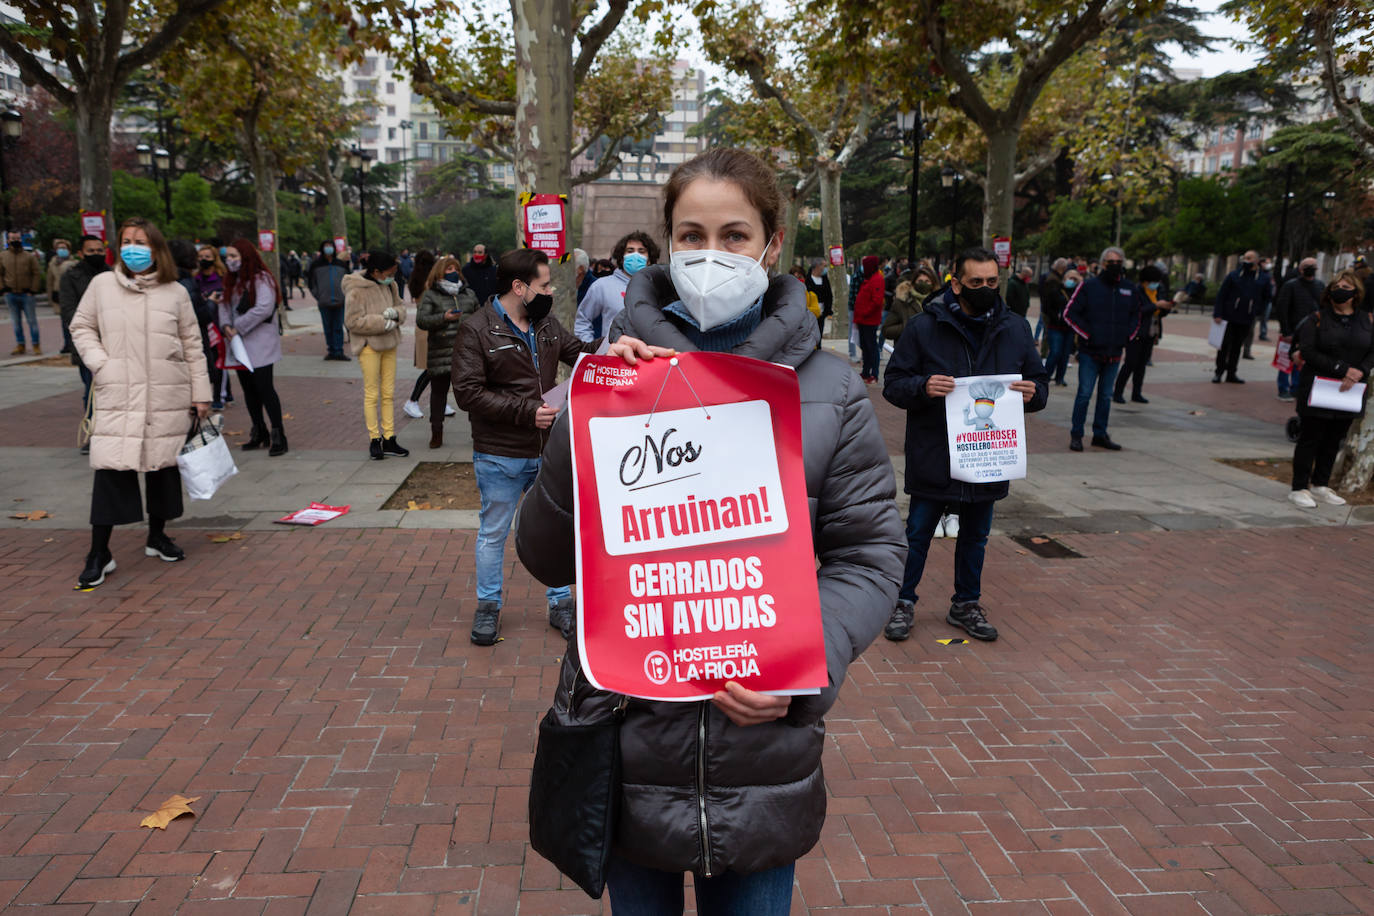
x=911, y=121
x=950, y=178
x=361, y=160
x=405, y=163
x=11, y=129
x=1283, y=217
x=156, y=161
x=387, y=215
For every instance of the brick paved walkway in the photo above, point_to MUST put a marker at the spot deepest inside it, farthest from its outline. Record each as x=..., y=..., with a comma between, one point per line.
x=1176, y=723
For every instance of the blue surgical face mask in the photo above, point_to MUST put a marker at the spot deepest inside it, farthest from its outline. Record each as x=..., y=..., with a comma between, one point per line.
x=62, y=252
x=387, y=281
x=1152, y=286
x=328, y=249
x=1070, y=283
x=634, y=262
x=137, y=258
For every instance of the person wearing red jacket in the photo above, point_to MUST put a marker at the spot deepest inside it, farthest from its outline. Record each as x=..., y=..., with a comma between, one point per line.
x=868, y=316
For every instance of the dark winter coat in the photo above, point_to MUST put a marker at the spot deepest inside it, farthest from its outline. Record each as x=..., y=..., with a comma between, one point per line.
x=1018, y=296
x=939, y=342
x=429, y=316
x=1330, y=345
x=1053, y=300
x=1242, y=296
x=481, y=279
x=325, y=280
x=1297, y=299
x=70, y=289
x=1104, y=316
x=701, y=793
x=496, y=380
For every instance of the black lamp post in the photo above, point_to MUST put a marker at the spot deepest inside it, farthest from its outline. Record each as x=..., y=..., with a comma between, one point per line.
x=911, y=121
x=11, y=129
x=361, y=160
x=950, y=178
x=388, y=213
x=1283, y=217
x=405, y=164
x=158, y=162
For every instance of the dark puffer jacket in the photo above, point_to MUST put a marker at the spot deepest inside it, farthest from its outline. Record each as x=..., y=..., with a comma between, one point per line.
x=1105, y=316
x=936, y=342
x=429, y=316
x=701, y=793
x=1331, y=344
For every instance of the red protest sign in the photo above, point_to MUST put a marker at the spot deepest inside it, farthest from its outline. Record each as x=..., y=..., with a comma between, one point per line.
x=694, y=554
x=1001, y=246
x=267, y=239
x=836, y=255
x=93, y=223
x=544, y=222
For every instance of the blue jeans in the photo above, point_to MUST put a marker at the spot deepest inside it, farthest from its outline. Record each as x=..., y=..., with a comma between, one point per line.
x=1102, y=374
x=22, y=305
x=1058, y=362
x=501, y=481
x=975, y=521
x=639, y=891
x=1288, y=382
x=331, y=317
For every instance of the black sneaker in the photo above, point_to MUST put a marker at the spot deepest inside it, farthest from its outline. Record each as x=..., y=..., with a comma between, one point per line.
x=374, y=450
x=561, y=615
x=97, y=566
x=1118, y=399
x=972, y=620
x=1075, y=443
x=1234, y=380
x=486, y=623
x=163, y=547
x=899, y=626
x=391, y=447
x=1107, y=443
x=1216, y=379
x=1139, y=399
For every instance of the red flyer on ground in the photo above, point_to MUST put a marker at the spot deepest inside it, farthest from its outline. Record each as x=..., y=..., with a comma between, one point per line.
x=695, y=564
x=315, y=515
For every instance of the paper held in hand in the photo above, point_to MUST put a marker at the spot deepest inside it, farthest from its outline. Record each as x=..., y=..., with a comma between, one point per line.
x=1327, y=393
x=1215, y=334
x=986, y=424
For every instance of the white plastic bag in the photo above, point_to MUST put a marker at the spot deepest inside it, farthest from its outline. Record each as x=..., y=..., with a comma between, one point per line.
x=205, y=461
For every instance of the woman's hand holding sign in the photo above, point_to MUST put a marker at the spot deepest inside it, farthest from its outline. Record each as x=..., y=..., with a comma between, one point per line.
x=749, y=707
x=1026, y=388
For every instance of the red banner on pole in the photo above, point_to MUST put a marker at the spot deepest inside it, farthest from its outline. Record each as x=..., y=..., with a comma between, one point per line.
x=267, y=240
x=543, y=218
x=836, y=255
x=93, y=223
x=694, y=554
x=1001, y=246
x=340, y=245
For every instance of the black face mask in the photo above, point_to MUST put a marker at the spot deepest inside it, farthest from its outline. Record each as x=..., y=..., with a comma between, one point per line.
x=16, y=245
x=1247, y=267
x=94, y=261
x=1309, y=272
x=1341, y=296
x=538, y=308
x=207, y=263
x=1113, y=272
x=979, y=301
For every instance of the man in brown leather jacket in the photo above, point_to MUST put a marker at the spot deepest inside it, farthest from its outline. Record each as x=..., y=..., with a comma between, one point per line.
x=505, y=357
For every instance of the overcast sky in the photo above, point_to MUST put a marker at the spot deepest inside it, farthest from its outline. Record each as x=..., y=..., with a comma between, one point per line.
x=1224, y=56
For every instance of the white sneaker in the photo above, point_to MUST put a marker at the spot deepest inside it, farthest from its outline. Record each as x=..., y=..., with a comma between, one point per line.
x=1302, y=498
x=448, y=410
x=951, y=526
x=939, y=528
x=412, y=409
x=1328, y=496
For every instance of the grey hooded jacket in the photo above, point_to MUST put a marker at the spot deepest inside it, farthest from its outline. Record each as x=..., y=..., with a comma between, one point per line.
x=699, y=792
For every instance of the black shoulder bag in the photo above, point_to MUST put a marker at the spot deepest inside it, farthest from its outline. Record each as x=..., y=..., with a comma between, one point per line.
x=575, y=796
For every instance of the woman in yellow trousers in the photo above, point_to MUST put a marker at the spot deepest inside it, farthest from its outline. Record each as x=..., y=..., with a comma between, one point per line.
x=373, y=314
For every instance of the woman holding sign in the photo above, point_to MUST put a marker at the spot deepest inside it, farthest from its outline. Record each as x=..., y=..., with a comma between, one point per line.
x=731, y=788
x=1337, y=345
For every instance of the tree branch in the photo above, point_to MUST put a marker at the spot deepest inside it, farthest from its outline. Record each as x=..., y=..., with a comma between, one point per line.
x=766, y=90
x=859, y=134
x=187, y=12
x=967, y=95
x=33, y=70
x=1038, y=68
x=422, y=80
x=1037, y=165
x=1347, y=110
x=595, y=37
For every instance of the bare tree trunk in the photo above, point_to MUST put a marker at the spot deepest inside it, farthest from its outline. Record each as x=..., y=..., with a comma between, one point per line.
x=543, y=120
x=829, y=175
x=795, y=198
x=333, y=190
x=1355, y=463
x=93, y=116
x=999, y=191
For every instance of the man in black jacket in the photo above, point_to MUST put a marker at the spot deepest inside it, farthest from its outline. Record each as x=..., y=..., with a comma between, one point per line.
x=1105, y=315
x=479, y=273
x=71, y=288
x=967, y=331
x=1298, y=298
x=1018, y=291
x=1243, y=295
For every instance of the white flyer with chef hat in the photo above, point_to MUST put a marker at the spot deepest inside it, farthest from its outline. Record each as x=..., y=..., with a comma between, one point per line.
x=986, y=423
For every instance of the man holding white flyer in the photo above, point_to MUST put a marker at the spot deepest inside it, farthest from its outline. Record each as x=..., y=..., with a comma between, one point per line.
x=952, y=369
x=1336, y=346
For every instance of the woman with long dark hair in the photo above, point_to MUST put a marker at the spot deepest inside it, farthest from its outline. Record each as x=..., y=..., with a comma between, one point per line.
x=137, y=333
x=419, y=274
x=248, y=311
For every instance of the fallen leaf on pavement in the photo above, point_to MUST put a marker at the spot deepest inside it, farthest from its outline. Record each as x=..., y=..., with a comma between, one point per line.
x=328, y=402
x=232, y=432
x=225, y=538
x=33, y=516
x=1197, y=413
x=410, y=504
x=48, y=540
x=287, y=416
x=1262, y=463
x=1038, y=540
x=171, y=809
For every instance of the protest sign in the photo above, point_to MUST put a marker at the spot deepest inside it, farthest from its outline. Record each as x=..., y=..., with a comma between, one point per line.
x=93, y=223
x=695, y=564
x=986, y=422
x=545, y=224
x=836, y=255
x=267, y=240
x=1001, y=246
x=1216, y=334
x=1283, y=355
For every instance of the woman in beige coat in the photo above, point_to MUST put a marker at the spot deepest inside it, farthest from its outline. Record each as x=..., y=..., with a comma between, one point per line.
x=373, y=315
x=137, y=333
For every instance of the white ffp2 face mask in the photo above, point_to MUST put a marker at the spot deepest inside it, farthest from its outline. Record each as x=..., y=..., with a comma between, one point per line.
x=716, y=286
